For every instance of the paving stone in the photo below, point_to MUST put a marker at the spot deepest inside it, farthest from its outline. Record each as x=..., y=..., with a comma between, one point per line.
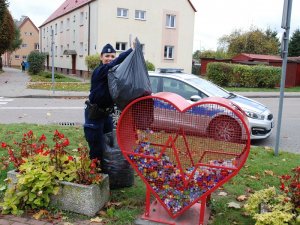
x=4, y=222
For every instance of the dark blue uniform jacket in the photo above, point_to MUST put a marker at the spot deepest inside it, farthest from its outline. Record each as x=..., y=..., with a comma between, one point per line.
x=99, y=93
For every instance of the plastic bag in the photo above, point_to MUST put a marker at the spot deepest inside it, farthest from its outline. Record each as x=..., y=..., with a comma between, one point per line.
x=130, y=79
x=120, y=173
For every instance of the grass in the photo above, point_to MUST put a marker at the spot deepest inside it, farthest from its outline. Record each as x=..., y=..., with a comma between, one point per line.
x=260, y=171
x=43, y=81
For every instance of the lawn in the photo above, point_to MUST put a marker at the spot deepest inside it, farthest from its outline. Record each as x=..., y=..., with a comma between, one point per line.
x=261, y=170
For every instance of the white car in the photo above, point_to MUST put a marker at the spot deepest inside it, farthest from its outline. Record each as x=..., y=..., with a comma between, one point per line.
x=194, y=88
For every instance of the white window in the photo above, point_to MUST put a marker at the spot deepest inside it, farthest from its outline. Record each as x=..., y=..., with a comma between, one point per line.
x=44, y=31
x=55, y=29
x=171, y=20
x=169, y=52
x=17, y=57
x=121, y=46
x=24, y=45
x=24, y=57
x=81, y=18
x=121, y=12
x=25, y=33
x=74, y=35
x=36, y=46
x=61, y=26
x=140, y=15
x=61, y=50
x=68, y=24
x=81, y=48
x=74, y=18
x=30, y=33
x=68, y=46
x=55, y=53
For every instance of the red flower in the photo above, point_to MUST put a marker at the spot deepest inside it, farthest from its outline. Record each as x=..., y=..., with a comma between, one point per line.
x=70, y=158
x=66, y=142
x=3, y=145
x=42, y=138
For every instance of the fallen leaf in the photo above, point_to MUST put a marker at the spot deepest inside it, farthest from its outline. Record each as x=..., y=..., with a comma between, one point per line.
x=254, y=177
x=96, y=220
x=241, y=198
x=40, y=214
x=222, y=193
x=268, y=148
x=48, y=114
x=234, y=205
x=2, y=188
x=269, y=172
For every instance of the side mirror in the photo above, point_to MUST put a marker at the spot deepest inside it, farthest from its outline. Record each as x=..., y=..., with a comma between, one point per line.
x=195, y=98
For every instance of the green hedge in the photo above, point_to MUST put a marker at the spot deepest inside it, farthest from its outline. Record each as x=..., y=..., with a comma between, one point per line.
x=237, y=75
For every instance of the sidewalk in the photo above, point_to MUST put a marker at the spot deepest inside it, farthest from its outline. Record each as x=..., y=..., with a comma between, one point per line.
x=13, y=85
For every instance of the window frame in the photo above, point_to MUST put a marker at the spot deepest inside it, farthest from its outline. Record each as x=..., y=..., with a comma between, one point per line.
x=169, y=22
x=121, y=14
x=167, y=52
x=123, y=46
x=140, y=12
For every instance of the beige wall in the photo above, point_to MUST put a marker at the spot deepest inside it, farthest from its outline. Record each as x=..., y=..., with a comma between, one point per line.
x=30, y=39
x=107, y=27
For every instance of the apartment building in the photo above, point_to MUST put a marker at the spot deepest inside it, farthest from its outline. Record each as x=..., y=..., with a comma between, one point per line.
x=30, y=42
x=83, y=27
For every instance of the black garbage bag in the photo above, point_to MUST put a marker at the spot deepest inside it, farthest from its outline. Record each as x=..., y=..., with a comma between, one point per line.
x=130, y=79
x=120, y=173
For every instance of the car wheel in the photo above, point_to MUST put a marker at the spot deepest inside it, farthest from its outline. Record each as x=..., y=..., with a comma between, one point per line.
x=225, y=128
x=115, y=116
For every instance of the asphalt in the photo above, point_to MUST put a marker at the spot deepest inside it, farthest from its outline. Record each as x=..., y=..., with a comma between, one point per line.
x=13, y=83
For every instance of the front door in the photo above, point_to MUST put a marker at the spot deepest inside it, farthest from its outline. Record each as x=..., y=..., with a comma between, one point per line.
x=73, y=64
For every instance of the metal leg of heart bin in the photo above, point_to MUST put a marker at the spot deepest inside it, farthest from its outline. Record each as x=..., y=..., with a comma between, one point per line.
x=155, y=214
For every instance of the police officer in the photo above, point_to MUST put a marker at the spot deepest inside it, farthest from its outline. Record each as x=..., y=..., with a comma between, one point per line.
x=95, y=128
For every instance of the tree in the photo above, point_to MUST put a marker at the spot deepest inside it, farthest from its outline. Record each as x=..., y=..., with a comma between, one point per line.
x=36, y=62
x=294, y=45
x=254, y=41
x=7, y=31
x=17, y=41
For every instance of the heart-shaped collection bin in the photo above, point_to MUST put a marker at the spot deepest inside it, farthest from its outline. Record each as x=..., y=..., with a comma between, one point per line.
x=182, y=151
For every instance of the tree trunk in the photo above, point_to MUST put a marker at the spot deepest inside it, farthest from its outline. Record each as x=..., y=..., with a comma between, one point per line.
x=1, y=63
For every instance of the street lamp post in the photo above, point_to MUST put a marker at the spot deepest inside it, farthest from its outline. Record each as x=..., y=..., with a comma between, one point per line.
x=286, y=21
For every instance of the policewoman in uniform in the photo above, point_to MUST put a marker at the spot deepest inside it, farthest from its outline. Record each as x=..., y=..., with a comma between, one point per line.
x=98, y=120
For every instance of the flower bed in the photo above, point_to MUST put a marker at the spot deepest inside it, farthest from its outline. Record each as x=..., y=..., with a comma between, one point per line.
x=44, y=172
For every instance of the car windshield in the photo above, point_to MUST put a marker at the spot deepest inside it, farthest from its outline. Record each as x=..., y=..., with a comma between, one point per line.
x=210, y=88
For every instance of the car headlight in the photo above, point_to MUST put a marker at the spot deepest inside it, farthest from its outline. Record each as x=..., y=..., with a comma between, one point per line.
x=254, y=115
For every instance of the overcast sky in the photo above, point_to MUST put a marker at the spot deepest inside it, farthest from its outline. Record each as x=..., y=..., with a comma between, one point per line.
x=214, y=18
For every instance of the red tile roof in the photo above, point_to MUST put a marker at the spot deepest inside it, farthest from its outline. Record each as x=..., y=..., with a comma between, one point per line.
x=266, y=57
x=66, y=7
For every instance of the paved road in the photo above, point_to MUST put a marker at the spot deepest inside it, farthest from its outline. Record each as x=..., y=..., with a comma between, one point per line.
x=290, y=124
x=19, y=104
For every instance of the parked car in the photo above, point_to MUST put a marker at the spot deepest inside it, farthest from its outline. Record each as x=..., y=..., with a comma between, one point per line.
x=194, y=88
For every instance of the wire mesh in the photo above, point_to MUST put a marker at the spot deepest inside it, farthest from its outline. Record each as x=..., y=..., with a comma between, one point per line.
x=181, y=155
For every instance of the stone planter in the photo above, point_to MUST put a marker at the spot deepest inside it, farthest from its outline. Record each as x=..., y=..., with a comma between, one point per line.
x=78, y=198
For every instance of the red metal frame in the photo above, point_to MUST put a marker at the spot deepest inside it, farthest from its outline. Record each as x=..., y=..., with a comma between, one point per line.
x=172, y=145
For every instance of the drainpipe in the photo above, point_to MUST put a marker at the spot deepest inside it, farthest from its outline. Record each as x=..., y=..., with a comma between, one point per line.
x=89, y=33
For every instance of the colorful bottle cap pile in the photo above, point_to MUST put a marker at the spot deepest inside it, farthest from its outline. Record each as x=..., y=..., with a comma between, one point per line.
x=177, y=190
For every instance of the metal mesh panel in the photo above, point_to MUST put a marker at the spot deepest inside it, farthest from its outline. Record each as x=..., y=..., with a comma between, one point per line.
x=182, y=155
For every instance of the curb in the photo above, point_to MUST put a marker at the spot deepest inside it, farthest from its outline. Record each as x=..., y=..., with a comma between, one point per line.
x=86, y=96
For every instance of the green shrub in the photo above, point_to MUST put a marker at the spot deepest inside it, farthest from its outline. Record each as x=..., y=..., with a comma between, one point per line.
x=237, y=75
x=150, y=66
x=36, y=62
x=92, y=61
x=219, y=73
